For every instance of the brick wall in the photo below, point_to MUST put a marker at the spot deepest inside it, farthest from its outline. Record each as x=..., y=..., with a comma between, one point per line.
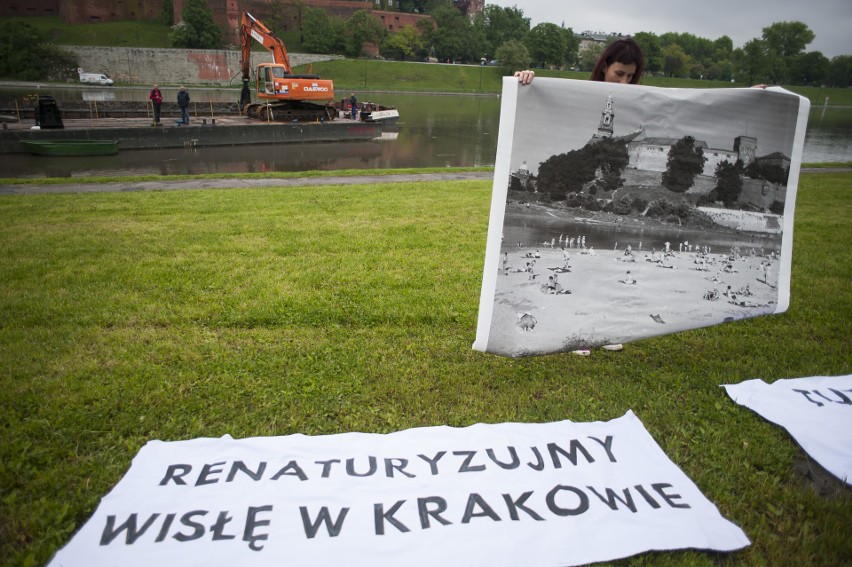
x=89, y=11
x=12, y=8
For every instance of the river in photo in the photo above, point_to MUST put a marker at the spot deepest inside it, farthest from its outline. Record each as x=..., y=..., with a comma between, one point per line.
x=433, y=131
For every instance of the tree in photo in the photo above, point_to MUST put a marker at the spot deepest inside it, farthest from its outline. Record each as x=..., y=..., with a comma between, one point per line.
x=611, y=157
x=513, y=56
x=26, y=55
x=685, y=162
x=197, y=29
x=729, y=183
x=596, y=166
x=770, y=172
x=563, y=174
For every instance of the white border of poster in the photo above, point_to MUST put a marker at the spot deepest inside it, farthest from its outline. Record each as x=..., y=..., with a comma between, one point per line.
x=550, y=494
x=562, y=274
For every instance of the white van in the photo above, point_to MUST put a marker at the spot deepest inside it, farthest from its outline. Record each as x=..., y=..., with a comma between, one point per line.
x=94, y=78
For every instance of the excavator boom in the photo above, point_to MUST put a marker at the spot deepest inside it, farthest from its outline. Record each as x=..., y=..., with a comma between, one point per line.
x=252, y=28
x=287, y=96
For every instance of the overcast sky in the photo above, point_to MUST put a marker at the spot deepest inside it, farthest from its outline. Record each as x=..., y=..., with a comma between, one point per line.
x=741, y=20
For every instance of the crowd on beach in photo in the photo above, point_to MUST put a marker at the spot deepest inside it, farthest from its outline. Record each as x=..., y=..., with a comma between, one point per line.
x=721, y=271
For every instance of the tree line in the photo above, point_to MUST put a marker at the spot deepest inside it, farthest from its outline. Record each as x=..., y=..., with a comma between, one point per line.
x=504, y=34
x=498, y=34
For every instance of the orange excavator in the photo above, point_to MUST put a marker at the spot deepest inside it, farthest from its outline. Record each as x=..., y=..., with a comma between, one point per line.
x=282, y=96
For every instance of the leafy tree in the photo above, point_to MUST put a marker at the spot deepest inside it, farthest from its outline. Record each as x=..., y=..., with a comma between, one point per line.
x=297, y=10
x=513, y=56
x=589, y=56
x=323, y=33
x=720, y=71
x=840, y=71
x=433, y=6
x=500, y=25
x=26, y=55
x=413, y=6
x=406, y=42
x=276, y=20
x=453, y=38
x=788, y=38
x=753, y=62
x=362, y=28
x=651, y=49
x=167, y=16
x=685, y=161
x=729, y=183
x=675, y=60
x=572, y=47
x=808, y=69
x=197, y=28
x=724, y=47
x=546, y=44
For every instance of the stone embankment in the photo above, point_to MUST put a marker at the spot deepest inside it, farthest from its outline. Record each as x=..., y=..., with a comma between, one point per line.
x=146, y=66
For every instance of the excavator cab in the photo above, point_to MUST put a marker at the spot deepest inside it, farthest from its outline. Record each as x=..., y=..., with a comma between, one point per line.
x=273, y=82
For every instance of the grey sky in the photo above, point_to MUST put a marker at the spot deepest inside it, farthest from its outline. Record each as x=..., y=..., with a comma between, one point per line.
x=830, y=20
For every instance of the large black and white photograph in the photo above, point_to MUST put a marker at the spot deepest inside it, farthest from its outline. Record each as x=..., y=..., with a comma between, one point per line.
x=622, y=212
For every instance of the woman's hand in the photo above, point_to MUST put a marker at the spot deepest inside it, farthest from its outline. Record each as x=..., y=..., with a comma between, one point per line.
x=525, y=77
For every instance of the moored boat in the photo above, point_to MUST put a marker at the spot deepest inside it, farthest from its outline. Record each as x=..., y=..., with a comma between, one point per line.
x=368, y=112
x=71, y=147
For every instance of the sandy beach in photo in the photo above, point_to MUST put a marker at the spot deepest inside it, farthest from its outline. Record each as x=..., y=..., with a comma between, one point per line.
x=668, y=296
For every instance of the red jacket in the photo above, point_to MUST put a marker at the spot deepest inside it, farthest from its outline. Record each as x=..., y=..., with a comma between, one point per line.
x=156, y=96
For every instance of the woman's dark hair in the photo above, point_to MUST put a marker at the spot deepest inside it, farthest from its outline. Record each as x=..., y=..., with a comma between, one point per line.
x=624, y=51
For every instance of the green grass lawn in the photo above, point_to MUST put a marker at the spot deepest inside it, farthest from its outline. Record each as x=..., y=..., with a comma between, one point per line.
x=126, y=317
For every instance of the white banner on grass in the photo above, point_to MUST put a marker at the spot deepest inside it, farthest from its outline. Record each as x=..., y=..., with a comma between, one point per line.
x=816, y=411
x=507, y=494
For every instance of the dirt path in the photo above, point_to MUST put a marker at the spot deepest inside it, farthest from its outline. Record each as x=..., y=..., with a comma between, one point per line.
x=32, y=189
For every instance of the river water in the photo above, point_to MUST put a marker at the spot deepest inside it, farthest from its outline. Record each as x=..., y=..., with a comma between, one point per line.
x=433, y=131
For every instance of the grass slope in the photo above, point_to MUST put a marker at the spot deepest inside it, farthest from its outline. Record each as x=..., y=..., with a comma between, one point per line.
x=127, y=317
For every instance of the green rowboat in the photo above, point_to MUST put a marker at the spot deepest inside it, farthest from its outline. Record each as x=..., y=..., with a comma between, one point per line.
x=71, y=147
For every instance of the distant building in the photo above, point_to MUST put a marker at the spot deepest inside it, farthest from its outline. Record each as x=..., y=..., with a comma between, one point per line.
x=649, y=153
x=522, y=179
